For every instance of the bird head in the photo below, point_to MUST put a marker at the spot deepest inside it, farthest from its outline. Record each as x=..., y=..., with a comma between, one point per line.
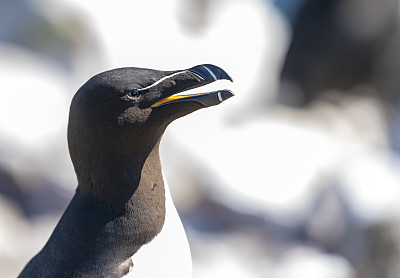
x=122, y=113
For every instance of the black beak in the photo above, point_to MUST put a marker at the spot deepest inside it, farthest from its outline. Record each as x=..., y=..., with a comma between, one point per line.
x=192, y=78
x=210, y=73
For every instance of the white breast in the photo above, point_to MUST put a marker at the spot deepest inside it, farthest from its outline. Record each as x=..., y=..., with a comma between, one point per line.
x=168, y=255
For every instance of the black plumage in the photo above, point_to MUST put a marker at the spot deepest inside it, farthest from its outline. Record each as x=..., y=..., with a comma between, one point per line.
x=115, y=125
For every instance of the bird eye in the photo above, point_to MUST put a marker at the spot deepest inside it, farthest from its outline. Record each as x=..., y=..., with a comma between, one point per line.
x=133, y=94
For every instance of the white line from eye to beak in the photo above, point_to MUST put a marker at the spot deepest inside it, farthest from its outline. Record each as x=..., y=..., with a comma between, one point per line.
x=162, y=79
x=210, y=72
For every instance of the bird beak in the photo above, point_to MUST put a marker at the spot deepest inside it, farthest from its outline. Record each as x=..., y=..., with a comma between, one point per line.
x=192, y=78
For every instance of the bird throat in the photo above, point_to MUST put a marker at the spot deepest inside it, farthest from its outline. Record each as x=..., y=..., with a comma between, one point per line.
x=95, y=230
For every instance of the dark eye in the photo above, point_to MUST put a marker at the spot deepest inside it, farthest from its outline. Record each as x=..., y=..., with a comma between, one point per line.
x=133, y=94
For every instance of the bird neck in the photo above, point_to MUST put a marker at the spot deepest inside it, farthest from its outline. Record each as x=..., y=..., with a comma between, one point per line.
x=98, y=232
x=118, y=176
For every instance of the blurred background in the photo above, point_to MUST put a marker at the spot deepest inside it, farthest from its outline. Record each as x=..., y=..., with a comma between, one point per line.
x=296, y=176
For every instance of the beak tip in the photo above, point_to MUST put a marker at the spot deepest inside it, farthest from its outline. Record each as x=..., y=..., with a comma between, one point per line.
x=225, y=94
x=210, y=72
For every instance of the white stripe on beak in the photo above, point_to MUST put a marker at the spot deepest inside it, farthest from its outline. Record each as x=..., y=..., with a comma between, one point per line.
x=220, y=97
x=210, y=72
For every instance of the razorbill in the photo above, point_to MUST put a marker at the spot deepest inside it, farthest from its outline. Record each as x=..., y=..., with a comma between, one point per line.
x=116, y=122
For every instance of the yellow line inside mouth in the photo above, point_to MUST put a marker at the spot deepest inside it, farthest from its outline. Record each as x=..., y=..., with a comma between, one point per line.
x=172, y=98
